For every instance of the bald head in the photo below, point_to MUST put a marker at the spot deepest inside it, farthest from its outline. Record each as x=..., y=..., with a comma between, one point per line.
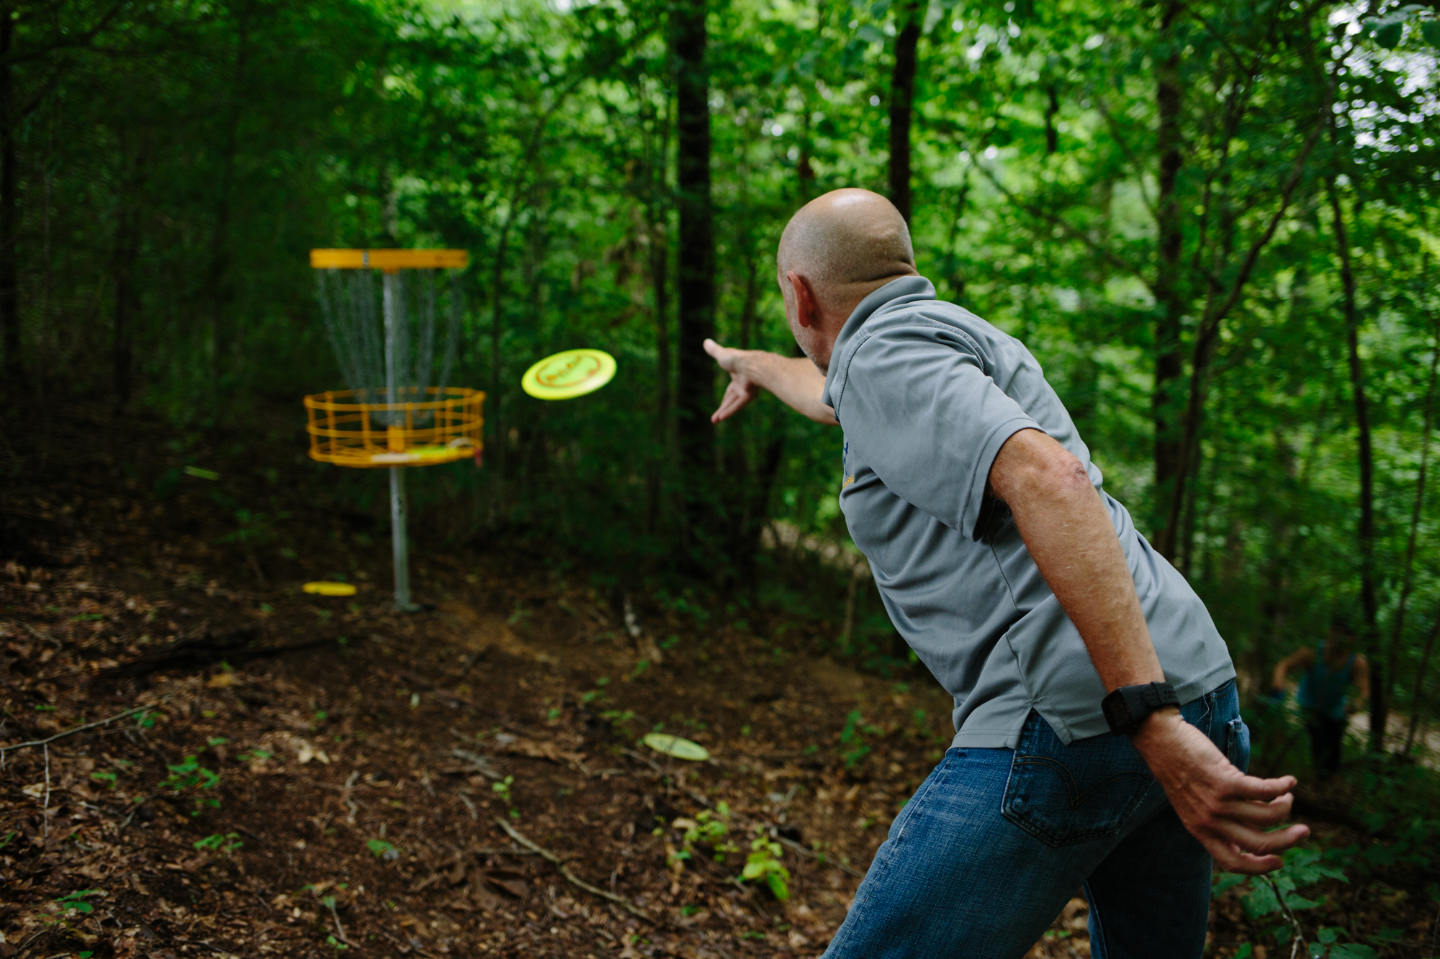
x=846, y=243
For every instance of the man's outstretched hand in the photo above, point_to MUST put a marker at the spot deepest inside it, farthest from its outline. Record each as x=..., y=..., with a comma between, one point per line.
x=796, y=381
x=1233, y=815
x=742, y=388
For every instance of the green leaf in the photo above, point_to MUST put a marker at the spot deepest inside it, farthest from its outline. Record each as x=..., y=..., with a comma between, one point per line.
x=1353, y=950
x=1387, y=33
x=676, y=746
x=1430, y=30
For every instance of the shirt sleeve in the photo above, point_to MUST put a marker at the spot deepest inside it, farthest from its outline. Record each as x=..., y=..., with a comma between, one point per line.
x=922, y=411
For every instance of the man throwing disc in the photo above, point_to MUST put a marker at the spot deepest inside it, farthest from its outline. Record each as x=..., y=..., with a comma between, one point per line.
x=1098, y=741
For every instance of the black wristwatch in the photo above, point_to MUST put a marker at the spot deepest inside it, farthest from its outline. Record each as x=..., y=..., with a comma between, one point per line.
x=1126, y=708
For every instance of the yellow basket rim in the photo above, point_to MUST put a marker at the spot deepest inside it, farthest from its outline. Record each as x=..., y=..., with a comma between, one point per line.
x=344, y=259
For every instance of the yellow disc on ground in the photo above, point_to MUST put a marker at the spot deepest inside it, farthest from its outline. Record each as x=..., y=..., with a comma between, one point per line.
x=568, y=374
x=323, y=588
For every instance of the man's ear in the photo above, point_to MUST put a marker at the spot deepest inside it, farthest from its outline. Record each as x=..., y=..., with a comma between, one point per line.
x=807, y=309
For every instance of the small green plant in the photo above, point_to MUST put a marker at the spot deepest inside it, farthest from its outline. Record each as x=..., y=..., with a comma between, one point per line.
x=215, y=842
x=502, y=789
x=598, y=693
x=75, y=902
x=763, y=864
x=191, y=777
x=381, y=849
x=1278, y=896
x=853, y=747
x=105, y=777
x=709, y=830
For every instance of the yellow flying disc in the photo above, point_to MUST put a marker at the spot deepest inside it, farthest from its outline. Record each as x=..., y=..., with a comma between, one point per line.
x=568, y=374
x=322, y=588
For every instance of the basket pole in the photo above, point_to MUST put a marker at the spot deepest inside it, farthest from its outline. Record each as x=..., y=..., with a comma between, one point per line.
x=399, y=547
x=398, y=537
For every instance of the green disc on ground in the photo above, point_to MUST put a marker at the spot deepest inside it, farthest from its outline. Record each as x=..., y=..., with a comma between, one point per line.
x=676, y=746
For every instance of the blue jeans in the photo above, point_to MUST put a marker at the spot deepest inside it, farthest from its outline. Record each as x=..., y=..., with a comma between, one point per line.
x=996, y=841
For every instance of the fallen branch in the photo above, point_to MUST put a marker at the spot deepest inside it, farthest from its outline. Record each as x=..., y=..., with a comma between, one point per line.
x=73, y=730
x=570, y=877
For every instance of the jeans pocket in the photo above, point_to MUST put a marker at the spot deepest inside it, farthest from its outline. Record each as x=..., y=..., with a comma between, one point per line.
x=1063, y=795
x=1237, y=744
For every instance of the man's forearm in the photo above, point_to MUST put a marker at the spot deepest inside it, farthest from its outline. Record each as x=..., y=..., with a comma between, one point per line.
x=796, y=381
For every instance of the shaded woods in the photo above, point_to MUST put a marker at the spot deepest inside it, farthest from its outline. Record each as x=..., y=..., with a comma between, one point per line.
x=1213, y=223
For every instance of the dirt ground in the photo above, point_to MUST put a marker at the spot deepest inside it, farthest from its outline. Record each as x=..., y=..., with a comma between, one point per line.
x=199, y=759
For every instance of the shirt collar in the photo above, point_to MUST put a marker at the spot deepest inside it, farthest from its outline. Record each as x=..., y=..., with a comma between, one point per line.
x=896, y=293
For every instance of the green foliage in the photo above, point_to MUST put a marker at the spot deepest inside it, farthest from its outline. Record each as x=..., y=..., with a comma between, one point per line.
x=1278, y=896
x=853, y=745
x=222, y=843
x=191, y=778
x=76, y=902
x=381, y=849
x=707, y=832
x=763, y=864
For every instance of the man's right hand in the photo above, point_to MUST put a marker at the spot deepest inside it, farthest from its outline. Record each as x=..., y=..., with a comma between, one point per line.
x=742, y=388
x=793, y=379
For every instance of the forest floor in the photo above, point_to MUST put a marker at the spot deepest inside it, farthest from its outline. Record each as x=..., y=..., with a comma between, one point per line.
x=199, y=759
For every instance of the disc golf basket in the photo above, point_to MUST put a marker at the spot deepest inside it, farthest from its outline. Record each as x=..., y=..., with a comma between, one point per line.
x=380, y=309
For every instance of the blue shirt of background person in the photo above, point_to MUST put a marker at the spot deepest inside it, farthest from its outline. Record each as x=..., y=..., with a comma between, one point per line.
x=1329, y=669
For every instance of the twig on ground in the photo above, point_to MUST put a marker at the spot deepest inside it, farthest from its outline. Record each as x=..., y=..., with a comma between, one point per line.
x=72, y=731
x=45, y=816
x=345, y=795
x=339, y=929
x=1299, y=932
x=42, y=636
x=822, y=860
x=570, y=877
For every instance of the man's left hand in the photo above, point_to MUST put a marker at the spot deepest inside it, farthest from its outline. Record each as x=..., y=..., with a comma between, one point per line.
x=1233, y=815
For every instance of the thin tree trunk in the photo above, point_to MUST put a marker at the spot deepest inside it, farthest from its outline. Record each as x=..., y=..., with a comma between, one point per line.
x=9, y=209
x=1418, y=701
x=219, y=290
x=1165, y=402
x=126, y=303
x=696, y=238
x=902, y=100
x=1397, y=628
x=1381, y=683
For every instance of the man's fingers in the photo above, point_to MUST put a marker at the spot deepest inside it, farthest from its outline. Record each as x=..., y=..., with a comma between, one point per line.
x=718, y=352
x=1253, y=854
x=1260, y=814
x=1260, y=790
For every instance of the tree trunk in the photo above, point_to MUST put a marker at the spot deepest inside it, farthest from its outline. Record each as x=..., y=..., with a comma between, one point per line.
x=127, y=297
x=1381, y=684
x=1418, y=700
x=9, y=210
x=219, y=286
x=1165, y=398
x=1397, y=628
x=695, y=289
x=902, y=100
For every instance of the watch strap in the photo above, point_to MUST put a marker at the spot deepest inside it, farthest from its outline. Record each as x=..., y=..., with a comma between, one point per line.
x=1126, y=707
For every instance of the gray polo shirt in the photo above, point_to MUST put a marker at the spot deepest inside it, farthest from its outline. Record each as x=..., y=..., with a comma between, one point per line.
x=927, y=393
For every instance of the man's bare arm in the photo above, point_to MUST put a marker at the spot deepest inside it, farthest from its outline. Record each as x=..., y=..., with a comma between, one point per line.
x=1068, y=532
x=795, y=380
